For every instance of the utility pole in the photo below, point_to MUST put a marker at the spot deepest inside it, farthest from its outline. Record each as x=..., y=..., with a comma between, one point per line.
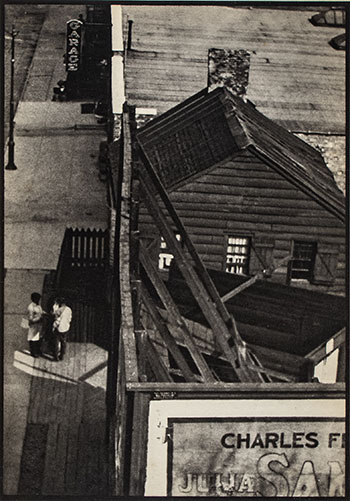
x=11, y=157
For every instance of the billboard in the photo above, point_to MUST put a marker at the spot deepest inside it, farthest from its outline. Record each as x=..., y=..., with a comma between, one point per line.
x=268, y=457
x=229, y=447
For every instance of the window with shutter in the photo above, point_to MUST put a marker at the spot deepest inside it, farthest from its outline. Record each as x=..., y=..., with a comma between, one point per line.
x=325, y=264
x=301, y=267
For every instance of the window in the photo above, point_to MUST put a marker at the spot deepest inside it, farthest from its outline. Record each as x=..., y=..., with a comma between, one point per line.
x=237, y=255
x=302, y=265
x=165, y=257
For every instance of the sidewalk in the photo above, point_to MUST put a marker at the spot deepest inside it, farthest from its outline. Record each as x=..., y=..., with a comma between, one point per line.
x=56, y=182
x=55, y=409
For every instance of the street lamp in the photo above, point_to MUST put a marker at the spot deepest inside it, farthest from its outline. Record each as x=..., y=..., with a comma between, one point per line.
x=11, y=160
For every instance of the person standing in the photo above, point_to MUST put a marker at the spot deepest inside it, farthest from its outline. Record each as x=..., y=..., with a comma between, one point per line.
x=61, y=325
x=35, y=321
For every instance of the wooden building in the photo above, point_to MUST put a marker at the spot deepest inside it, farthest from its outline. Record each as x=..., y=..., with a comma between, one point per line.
x=181, y=375
x=252, y=196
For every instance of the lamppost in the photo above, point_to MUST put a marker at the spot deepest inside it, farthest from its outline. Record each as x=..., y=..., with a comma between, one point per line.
x=11, y=157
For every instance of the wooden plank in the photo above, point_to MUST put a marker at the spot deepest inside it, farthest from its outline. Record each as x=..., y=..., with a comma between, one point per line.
x=158, y=367
x=82, y=257
x=342, y=360
x=228, y=198
x=274, y=359
x=258, y=209
x=81, y=468
x=127, y=325
x=167, y=336
x=244, y=191
x=50, y=460
x=240, y=288
x=273, y=373
x=140, y=336
x=321, y=352
x=252, y=280
x=34, y=399
x=61, y=457
x=139, y=444
x=173, y=310
x=270, y=390
x=119, y=437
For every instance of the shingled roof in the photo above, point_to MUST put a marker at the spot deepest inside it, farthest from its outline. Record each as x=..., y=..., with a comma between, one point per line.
x=211, y=127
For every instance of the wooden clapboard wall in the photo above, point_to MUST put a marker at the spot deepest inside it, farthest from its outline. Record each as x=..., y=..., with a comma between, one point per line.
x=246, y=196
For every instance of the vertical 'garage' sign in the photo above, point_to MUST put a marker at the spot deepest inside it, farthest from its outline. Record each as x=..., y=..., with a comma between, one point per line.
x=73, y=55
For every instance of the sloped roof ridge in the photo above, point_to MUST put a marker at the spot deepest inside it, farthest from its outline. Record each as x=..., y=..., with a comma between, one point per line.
x=173, y=111
x=274, y=127
x=297, y=158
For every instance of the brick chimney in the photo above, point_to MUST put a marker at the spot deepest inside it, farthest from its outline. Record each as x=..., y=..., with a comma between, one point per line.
x=229, y=68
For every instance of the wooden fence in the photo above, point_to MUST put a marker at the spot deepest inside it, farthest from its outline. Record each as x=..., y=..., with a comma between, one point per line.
x=83, y=249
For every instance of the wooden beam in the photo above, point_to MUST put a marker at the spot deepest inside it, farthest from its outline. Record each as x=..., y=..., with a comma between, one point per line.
x=175, y=315
x=199, y=291
x=167, y=336
x=160, y=370
x=280, y=390
x=185, y=240
x=127, y=323
x=256, y=277
x=140, y=336
x=321, y=351
x=241, y=288
x=273, y=373
x=341, y=369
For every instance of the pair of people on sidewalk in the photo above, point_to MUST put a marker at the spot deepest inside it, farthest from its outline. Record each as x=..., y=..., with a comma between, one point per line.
x=60, y=328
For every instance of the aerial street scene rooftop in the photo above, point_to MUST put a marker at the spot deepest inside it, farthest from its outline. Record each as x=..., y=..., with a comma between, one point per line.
x=175, y=251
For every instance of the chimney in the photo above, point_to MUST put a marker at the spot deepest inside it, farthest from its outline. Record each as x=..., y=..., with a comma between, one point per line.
x=230, y=69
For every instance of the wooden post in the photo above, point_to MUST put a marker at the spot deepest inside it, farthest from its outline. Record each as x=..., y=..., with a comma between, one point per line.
x=139, y=444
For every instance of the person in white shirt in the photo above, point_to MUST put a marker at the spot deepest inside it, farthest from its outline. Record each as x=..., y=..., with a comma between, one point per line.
x=35, y=322
x=60, y=328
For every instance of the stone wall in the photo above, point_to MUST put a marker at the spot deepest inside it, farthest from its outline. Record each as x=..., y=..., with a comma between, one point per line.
x=333, y=149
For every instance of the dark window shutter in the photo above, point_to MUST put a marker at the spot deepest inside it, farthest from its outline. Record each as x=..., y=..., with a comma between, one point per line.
x=325, y=264
x=261, y=254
